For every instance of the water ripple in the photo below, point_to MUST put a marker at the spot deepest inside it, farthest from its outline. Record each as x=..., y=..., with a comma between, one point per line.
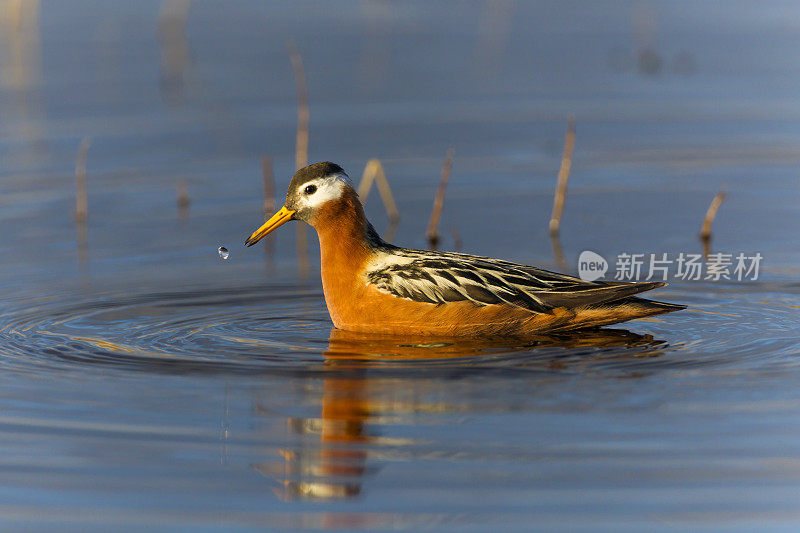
x=285, y=328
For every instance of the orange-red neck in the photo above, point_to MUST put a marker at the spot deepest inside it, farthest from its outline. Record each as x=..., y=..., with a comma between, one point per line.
x=345, y=249
x=343, y=228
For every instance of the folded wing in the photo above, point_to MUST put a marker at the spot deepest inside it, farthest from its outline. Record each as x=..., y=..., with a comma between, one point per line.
x=439, y=278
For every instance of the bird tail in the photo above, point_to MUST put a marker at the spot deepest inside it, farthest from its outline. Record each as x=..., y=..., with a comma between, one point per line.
x=606, y=313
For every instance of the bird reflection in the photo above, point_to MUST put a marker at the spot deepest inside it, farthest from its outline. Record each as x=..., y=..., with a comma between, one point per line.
x=329, y=457
x=335, y=468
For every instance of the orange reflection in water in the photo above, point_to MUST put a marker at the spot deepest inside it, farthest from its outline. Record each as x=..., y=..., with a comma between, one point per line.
x=330, y=458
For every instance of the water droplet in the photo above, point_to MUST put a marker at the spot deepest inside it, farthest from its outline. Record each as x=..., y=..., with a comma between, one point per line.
x=223, y=252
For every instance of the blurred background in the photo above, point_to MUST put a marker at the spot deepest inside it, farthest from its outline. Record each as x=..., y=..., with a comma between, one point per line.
x=673, y=101
x=147, y=381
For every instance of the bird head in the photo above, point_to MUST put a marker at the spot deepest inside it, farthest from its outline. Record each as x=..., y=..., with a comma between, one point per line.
x=311, y=188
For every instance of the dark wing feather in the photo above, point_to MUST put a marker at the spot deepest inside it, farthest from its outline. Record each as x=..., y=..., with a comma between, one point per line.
x=601, y=293
x=439, y=277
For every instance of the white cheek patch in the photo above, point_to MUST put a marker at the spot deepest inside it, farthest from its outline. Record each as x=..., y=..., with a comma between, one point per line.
x=327, y=190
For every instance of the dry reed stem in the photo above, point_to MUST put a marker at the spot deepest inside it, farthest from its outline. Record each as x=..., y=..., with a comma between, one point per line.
x=438, y=204
x=457, y=242
x=558, y=253
x=184, y=199
x=301, y=146
x=269, y=186
x=270, y=206
x=563, y=176
x=391, y=231
x=303, y=262
x=706, y=246
x=373, y=172
x=83, y=243
x=81, y=197
x=705, y=230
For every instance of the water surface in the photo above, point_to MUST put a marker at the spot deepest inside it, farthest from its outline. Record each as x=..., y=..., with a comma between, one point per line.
x=146, y=382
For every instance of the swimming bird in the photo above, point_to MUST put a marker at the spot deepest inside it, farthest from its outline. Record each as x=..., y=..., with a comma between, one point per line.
x=372, y=286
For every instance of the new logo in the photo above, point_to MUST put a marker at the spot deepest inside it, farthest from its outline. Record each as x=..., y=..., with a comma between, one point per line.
x=591, y=266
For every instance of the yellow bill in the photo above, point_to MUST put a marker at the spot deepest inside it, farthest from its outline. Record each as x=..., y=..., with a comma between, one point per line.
x=278, y=219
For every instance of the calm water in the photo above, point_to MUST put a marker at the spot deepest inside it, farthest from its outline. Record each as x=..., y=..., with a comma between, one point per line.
x=145, y=381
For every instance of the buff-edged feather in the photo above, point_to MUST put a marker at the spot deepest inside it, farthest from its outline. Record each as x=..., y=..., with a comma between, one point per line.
x=440, y=277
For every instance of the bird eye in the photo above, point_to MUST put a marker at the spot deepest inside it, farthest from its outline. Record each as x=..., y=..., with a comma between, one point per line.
x=311, y=189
